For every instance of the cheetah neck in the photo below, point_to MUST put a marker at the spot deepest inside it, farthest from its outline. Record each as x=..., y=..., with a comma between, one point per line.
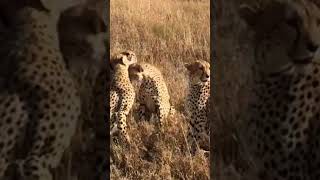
x=34, y=27
x=198, y=86
x=121, y=74
x=200, y=92
x=33, y=34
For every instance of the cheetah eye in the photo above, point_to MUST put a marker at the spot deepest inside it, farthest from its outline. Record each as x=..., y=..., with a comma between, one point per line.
x=126, y=53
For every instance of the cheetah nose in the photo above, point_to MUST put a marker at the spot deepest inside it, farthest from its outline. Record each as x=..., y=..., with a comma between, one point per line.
x=312, y=47
x=207, y=76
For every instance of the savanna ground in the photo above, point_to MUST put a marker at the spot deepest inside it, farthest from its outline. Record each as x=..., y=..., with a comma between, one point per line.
x=168, y=34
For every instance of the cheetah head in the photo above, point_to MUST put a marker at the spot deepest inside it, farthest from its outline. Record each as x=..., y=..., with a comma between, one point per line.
x=83, y=39
x=199, y=71
x=136, y=72
x=305, y=15
x=17, y=12
x=123, y=59
x=292, y=26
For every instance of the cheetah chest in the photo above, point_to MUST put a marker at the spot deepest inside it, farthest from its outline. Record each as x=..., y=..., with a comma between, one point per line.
x=279, y=129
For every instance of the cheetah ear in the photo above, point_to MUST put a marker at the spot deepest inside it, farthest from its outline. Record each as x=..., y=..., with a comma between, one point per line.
x=95, y=10
x=130, y=55
x=291, y=12
x=92, y=18
x=139, y=68
x=263, y=20
x=121, y=60
x=136, y=67
x=98, y=23
x=189, y=67
x=37, y=5
x=249, y=14
x=118, y=59
x=192, y=67
x=100, y=26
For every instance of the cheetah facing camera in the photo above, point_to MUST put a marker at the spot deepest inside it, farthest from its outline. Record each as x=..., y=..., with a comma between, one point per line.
x=282, y=133
x=40, y=105
x=153, y=96
x=197, y=104
x=122, y=93
x=285, y=32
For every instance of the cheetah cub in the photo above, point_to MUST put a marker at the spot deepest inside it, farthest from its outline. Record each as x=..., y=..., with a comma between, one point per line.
x=153, y=96
x=122, y=93
x=197, y=104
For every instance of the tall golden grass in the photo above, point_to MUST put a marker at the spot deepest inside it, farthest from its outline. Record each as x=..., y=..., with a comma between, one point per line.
x=168, y=34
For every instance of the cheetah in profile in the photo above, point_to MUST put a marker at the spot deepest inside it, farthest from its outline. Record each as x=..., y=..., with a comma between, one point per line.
x=122, y=93
x=153, y=96
x=39, y=105
x=197, y=104
x=83, y=42
x=282, y=134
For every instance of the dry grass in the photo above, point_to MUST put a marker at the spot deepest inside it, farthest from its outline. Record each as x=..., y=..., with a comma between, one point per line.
x=166, y=33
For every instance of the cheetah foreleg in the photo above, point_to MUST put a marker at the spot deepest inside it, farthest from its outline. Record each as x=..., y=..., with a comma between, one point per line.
x=191, y=141
x=125, y=107
x=122, y=125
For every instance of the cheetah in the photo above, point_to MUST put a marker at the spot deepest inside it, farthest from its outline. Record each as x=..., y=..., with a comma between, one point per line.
x=39, y=103
x=197, y=104
x=153, y=96
x=83, y=41
x=122, y=93
x=282, y=125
